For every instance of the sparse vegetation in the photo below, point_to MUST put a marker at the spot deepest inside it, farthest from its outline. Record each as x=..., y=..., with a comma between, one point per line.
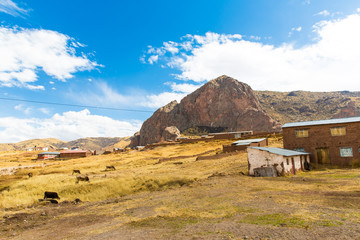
x=208, y=198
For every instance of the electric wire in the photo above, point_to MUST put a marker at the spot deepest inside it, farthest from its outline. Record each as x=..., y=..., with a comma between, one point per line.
x=75, y=105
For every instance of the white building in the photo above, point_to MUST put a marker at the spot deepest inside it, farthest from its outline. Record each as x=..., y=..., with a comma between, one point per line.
x=282, y=161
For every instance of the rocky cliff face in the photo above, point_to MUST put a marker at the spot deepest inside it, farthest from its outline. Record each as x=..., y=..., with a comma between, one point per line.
x=222, y=102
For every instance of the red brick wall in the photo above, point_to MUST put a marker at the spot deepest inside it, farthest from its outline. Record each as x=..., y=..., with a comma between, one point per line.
x=320, y=137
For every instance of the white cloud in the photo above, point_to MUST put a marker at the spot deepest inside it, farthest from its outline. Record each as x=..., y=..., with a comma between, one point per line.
x=45, y=111
x=183, y=88
x=9, y=7
x=67, y=126
x=26, y=52
x=298, y=29
x=159, y=100
x=331, y=62
x=323, y=13
x=22, y=108
x=104, y=95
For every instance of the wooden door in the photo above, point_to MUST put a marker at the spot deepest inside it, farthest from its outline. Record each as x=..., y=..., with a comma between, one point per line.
x=293, y=166
x=322, y=155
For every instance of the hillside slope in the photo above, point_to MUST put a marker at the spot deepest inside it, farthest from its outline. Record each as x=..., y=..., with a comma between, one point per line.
x=223, y=102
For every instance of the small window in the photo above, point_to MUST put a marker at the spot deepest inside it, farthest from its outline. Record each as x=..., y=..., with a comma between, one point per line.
x=302, y=133
x=287, y=161
x=346, y=152
x=338, y=131
x=299, y=149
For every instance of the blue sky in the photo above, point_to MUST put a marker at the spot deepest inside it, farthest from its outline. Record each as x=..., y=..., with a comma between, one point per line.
x=143, y=54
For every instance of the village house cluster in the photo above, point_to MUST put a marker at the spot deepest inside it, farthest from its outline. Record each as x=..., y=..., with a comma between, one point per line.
x=332, y=142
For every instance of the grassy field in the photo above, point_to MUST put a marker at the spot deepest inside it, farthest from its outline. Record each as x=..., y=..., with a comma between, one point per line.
x=179, y=198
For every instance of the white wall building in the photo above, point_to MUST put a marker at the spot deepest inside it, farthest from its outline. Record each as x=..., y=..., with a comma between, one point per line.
x=283, y=161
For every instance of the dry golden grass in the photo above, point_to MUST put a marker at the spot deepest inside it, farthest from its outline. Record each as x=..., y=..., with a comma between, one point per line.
x=135, y=171
x=142, y=193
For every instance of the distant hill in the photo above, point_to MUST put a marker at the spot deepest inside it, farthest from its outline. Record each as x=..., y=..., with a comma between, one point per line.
x=225, y=103
x=95, y=143
x=305, y=106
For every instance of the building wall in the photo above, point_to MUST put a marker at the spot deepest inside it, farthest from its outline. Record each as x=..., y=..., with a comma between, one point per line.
x=258, y=158
x=74, y=154
x=320, y=137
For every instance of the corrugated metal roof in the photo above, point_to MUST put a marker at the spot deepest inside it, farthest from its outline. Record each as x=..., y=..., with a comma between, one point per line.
x=281, y=151
x=247, y=141
x=50, y=153
x=322, y=122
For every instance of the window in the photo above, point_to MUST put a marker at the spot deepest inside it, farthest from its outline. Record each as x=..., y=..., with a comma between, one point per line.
x=287, y=161
x=346, y=152
x=338, y=131
x=302, y=133
x=300, y=149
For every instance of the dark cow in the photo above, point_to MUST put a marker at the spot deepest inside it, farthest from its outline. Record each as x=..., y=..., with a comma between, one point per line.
x=30, y=174
x=51, y=195
x=75, y=171
x=82, y=178
x=109, y=168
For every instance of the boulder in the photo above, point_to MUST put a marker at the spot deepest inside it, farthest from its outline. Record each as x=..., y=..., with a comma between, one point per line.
x=171, y=133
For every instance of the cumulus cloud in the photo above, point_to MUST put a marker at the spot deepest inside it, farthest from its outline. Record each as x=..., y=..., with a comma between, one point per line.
x=9, y=7
x=26, y=52
x=330, y=62
x=67, y=126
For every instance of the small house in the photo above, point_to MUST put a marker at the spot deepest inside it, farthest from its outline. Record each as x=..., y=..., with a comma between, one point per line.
x=75, y=154
x=48, y=155
x=230, y=135
x=241, y=145
x=281, y=161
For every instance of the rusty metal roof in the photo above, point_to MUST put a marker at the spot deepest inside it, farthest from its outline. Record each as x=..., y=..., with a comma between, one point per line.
x=248, y=141
x=322, y=122
x=281, y=151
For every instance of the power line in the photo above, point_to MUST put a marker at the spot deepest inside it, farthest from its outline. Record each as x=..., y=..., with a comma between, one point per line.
x=74, y=105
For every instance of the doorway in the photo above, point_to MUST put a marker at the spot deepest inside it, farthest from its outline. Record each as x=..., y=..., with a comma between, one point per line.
x=322, y=155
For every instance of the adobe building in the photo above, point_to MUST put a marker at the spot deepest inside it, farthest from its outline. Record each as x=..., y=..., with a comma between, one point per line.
x=48, y=155
x=241, y=145
x=329, y=142
x=75, y=154
x=230, y=135
x=269, y=161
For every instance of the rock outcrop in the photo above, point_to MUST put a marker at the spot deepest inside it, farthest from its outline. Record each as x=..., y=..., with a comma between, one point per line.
x=222, y=102
x=171, y=133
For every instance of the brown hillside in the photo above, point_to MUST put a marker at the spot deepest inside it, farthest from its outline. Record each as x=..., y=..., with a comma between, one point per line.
x=304, y=106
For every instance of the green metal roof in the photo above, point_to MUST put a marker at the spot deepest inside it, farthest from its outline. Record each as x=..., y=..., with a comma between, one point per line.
x=281, y=151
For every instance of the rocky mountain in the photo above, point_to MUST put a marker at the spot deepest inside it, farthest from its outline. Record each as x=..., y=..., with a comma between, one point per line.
x=305, y=106
x=95, y=143
x=223, y=102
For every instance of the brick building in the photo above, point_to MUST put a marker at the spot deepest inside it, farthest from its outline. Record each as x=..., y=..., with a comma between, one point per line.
x=329, y=142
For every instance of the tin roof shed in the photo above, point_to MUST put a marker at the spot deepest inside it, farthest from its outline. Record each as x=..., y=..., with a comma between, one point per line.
x=281, y=151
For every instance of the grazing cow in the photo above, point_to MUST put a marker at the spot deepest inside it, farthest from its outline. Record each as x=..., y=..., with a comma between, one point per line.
x=30, y=174
x=82, y=178
x=75, y=171
x=109, y=168
x=51, y=195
